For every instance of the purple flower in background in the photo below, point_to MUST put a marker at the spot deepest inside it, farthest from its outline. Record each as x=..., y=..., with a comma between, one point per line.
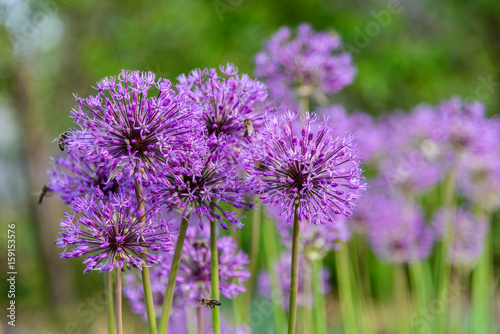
x=312, y=170
x=232, y=104
x=304, y=63
x=397, y=232
x=111, y=233
x=368, y=134
x=283, y=268
x=314, y=241
x=194, y=276
x=122, y=126
x=464, y=234
x=72, y=176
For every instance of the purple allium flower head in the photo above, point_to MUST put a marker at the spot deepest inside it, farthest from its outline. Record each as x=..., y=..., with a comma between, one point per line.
x=232, y=104
x=466, y=235
x=397, y=232
x=283, y=268
x=307, y=64
x=369, y=137
x=122, y=126
x=72, y=176
x=194, y=276
x=314, y=241
x=111, y=233
x=201, y=193
x=312, y=170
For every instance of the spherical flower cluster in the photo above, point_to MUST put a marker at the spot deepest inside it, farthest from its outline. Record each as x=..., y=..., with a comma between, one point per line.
x=311, y=171
x=201, y=193
x=283, y=268
x=72, y=176
x=307, y=64
x=122, y=127
x=232, y=105
x=397, y=232
x=314, y=241
x=464, y=235
x=111, y=233
x=194, y=276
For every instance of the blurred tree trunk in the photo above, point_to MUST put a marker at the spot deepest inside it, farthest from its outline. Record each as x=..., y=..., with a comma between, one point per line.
x=43, y=219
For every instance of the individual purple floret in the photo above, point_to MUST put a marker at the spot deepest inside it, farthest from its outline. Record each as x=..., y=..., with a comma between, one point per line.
x=232, y=105
x=314, y=241
x=397, y=232
x=282, y=269
x=121, y=126
x=203, y=193
x=72, y=176
x=464, y=235
x=304, y=63
x=194, y=276
x=111, y=233
x=310, y=170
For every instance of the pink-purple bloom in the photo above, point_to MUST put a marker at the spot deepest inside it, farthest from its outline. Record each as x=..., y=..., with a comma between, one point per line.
x=307, y=169
x=111, y=233
x=231, y=102
x=464, y=235
x=397, y=231
x=194, y=276
x=124, y=125
x=304, y=63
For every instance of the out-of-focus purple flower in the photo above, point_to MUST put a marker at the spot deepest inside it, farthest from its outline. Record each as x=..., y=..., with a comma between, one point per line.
x=121, y=126
x=314, y=241
x=283, y=268
x=304, y=63
x=312, y=170
x=464, y=234
x=203, y=193
x=72, y=176
x=369, y=137
x=194, y=276
x=397, y=232
x=232, y=104
x=111, y=233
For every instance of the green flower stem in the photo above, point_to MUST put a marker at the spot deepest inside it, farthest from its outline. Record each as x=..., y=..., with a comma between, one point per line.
x=108, y=283
x=401, y=298
x=172, y=277
x=254, y=254
x=214, y=260
x=272, y=254
x=319, y=310
x=292, y=317
x=119, y=315
x=345, y=290
x=307, y=311
x=303, y=103
x=449, y=199
x=146, y=282
x=481, y=291
x=421, y=285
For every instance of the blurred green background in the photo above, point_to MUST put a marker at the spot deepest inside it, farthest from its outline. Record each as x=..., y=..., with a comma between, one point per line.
x=406, y=52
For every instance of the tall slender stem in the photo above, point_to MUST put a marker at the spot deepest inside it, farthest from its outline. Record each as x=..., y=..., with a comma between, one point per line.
x=319, y=309
x=214, y=260
x=119, y=316
x=254, y=254
x=294, y=282
x=303, y=103
x=271, y=251
x=108, y=282
x=146, y=282
x=200, y=319
x=345, y=275
x=172, y=277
